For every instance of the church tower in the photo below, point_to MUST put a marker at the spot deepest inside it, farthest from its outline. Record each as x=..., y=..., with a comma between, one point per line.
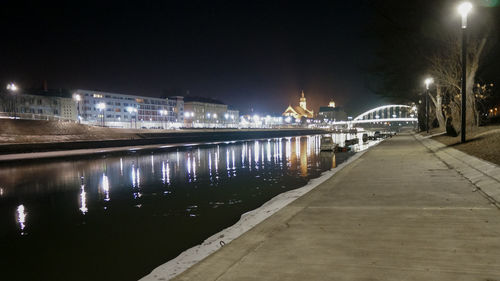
x=302, y=102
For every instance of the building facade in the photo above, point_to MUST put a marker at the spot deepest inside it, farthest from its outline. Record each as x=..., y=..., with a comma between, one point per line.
x=331, y=113
x=301, y=111
x=129, y=111
x=39, y=105
x=208, y=113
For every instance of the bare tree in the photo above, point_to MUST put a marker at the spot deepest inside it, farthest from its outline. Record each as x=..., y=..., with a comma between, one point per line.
x=446, y=68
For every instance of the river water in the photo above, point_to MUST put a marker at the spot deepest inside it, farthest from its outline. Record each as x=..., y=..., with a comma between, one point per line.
x=117, y=217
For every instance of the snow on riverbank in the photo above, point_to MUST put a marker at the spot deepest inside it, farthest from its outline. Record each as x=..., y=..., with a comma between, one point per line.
x=248, y=220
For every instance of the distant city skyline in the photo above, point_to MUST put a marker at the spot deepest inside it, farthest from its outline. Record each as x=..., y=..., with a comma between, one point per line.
x=256, y=56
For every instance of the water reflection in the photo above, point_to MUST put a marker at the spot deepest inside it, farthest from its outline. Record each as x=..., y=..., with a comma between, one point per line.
x=105, y=187
x=177, y=195
x=165, y=173
x=21, y=217
x=328, y=157
x=83, y=197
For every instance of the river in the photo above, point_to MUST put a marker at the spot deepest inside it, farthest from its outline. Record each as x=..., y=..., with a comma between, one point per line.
x=118, y=216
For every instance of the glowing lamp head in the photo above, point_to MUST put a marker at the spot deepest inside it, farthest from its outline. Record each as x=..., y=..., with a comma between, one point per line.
x=464, y=9
x=78, y=97
x=12, y=87
x=427, y=82
x=101, y=106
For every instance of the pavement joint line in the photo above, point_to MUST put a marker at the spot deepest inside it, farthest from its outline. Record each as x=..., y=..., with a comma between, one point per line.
x=396, y=208
x=454, y=159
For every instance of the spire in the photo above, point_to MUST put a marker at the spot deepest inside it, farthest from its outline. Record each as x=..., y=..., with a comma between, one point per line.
x=302, y=101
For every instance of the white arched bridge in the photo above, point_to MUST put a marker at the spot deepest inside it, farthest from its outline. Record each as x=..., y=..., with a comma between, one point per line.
x=383, y=114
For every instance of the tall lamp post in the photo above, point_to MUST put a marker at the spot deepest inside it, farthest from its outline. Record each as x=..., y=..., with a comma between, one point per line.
x=464, y=10
x=132, y=110
x=78, y=98
x=101, y=106
x=13, y=88
x=427, y=82
x=162, y=114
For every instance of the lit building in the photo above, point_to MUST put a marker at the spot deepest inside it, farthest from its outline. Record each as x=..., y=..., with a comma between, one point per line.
x=261, y=121
x=331, y=113
x=202, y=112
x=300, y=111
x=40, y=104
x=129, y=111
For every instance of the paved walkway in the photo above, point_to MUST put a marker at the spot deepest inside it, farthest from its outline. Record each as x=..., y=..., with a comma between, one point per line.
x=397, y=213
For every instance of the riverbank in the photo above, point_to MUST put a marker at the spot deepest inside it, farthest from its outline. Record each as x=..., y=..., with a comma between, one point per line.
x=112, y=140
x=483, y=143
x=398, y=212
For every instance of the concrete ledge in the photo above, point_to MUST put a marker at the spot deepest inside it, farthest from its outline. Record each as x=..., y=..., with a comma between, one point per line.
x=481, y=173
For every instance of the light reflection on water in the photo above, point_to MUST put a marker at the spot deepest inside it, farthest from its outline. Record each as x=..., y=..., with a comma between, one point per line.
x=144, y=200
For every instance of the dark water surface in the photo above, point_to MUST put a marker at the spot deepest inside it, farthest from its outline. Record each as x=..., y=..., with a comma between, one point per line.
x=117, y=217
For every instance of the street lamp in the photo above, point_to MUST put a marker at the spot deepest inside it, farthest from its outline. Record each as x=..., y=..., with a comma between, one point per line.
x=131, y=110
x=427, y=82
x=13, y=88
x=163, y=113
x=101, y=106
x=464, y=9
x=78, y=98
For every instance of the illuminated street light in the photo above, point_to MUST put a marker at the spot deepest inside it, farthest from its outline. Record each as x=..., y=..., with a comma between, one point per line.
x=427, y=82
x=464, y=9
x=13, y=88
x=78, y=98
x=101, y=106
x=163, y=113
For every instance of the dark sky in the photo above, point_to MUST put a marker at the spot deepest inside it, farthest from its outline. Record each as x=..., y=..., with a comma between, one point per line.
x=250, y=54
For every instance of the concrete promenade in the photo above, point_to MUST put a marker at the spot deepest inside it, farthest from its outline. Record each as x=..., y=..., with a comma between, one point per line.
x=396, y=213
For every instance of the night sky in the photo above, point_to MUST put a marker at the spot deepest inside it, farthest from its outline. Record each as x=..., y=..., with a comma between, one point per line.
x=255, y=54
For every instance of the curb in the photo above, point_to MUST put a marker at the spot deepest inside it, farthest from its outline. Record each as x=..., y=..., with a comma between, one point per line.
x=484, y=175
